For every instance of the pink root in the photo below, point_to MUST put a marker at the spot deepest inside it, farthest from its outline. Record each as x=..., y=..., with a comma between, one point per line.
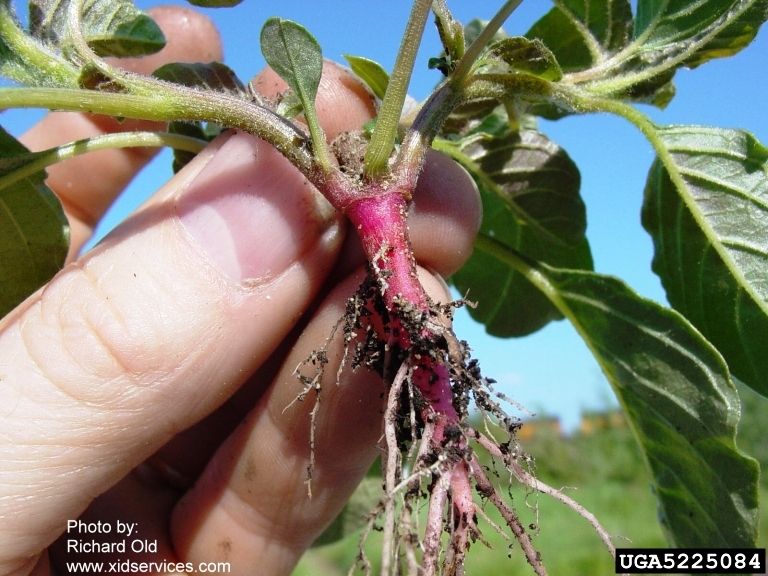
x=380, y=219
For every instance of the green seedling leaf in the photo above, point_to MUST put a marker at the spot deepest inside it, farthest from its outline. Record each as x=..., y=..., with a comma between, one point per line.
x=706, y=204
x=370, y=72
x=214, y=3
x=110, y=27
x=530, y=192
x=34, y=233
x=210, y=76
x=296, y=56
x=597, y=42
x=678, y=397
x=586, y=35
x=526, y=56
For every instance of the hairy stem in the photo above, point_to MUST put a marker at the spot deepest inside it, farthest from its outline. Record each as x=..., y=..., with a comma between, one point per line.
x=187, y=104
x=40, y=160
x=474, y=50
x=380, y=220
x=50, y=68
x=383, y=137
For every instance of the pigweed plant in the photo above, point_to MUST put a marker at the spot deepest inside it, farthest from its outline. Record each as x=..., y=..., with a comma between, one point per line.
x=705, y=206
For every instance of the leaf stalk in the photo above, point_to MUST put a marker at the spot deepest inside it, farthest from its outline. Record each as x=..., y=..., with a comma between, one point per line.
x=51, y=156
x=177, y=103
x=377, y=155
x=474, y=50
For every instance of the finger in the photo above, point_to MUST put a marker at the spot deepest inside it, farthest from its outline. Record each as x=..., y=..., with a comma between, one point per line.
x=152, y=330
x=241, y=358
x=445, y=215
x=136, y=510
x=188, y=453
x=87, y=185
x=251, y=507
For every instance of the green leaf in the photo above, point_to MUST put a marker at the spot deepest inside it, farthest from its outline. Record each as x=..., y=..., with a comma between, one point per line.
x=370, y=72
x=295, y=55
x=210, y=76
x=110, y=27
x=669, y=35
x=583, y=33
x=530, y=192
x=214, y=3
x=34, y=233
x=292, y=52
x=526, y=56
x=596, y=42
x=694, y=32
x=706, y=206
x=677, y=394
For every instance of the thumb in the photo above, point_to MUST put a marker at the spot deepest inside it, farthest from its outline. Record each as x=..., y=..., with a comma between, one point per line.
x=151, y=331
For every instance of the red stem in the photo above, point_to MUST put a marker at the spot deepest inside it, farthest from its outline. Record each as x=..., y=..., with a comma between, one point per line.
x=380, y=221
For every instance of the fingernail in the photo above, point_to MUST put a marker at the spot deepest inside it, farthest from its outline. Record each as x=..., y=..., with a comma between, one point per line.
x=251, y=211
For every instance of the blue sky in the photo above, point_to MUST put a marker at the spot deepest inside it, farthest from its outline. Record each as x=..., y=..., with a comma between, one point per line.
x=551, y=371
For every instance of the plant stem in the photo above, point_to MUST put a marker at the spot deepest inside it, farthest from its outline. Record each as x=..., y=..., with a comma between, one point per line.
x=380, y=221
x=383, y=137
x=465, y=64
x=40, y=160
x=26, y=54
x=422, y=132
x=74, y=26
x=178, y=103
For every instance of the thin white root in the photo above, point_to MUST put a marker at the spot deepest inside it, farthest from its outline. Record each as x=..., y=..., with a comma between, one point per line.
x=529, y=480
x=392, y=467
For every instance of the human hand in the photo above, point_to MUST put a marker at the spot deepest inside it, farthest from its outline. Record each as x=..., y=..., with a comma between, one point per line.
x=174, y=342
